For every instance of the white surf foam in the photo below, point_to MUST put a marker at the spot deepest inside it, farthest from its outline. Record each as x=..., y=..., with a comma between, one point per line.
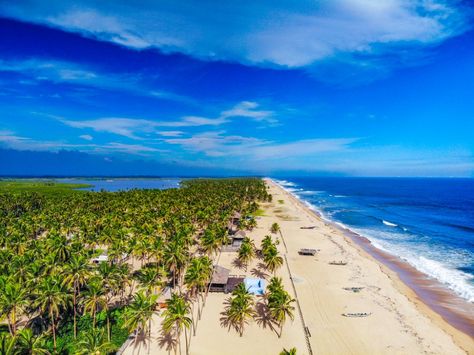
x=422, y=258
x=456, y=280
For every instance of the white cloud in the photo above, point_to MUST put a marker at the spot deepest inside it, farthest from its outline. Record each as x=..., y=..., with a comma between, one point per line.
x=284, y=33
x=135, y=128
x=217, y=144
x=87, y=137
x=10, y=140
x=55, y=71
x=170, y=133
x=126, y=127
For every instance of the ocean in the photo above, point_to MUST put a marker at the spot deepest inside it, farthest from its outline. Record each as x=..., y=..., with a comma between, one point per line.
x=428, y=223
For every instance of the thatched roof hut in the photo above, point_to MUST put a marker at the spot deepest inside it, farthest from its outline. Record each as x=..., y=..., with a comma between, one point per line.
x=219, y=280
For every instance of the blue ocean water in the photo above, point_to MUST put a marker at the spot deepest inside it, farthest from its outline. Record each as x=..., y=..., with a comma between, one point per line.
x=428, y=223
x=118, y=184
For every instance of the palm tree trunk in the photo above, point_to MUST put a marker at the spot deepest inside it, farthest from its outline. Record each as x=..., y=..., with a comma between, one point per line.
x=186, y=340
x=75, y=313
x=199, y=306
x=108, y=325
x=14, y=320
x=93, y=318
x=10, y=329
x=54, y=328
x=209, y=287
x=179, y=341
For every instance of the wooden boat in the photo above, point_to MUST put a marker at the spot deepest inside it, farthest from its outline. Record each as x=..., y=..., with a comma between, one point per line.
x=338, y=263
x=310, y=252
x=353, y=289
x=356, y=315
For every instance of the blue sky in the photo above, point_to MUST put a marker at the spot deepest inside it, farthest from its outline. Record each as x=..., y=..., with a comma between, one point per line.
x=354, y=87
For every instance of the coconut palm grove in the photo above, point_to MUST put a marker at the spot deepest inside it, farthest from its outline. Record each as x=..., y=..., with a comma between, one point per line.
x=57, y=296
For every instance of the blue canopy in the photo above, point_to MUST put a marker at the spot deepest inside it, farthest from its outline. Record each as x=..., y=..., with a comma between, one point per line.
x=255, y=286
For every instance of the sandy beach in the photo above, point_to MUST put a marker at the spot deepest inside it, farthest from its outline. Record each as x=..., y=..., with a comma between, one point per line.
x=398, y=322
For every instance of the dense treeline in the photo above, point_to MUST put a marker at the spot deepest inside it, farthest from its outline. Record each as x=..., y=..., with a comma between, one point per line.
x=54, y=300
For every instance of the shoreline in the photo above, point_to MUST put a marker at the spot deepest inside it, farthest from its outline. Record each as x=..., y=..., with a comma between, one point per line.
x=445, y=308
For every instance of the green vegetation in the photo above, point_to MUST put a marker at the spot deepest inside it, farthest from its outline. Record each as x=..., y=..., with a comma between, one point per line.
x=275, y=228
x=259, y=213
x=246, y=252
x=281, y=202
x=271, y=256
x=279, y=303
x=53, y=299
x=40, y=186
x=239, y=309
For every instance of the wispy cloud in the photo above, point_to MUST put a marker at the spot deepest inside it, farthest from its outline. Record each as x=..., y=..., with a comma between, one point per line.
x=287, y=34
x=218, y=144
x=40, y=70
x=135, y=128
x=126, y=127
x=86, y=137
x=11, y=140
x=170, y=133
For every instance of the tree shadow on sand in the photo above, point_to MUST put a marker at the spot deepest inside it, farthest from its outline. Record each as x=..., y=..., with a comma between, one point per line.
x=259, y=273
x=225, y=321
x=140, y=340
x=167, y=341
x=238, y=264
x=264, y=318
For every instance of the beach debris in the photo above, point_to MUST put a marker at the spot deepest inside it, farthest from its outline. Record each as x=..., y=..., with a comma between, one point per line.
x=338, y=263
x=353, y=289
x=310, y=227
x=357, y=315
x=310, y=252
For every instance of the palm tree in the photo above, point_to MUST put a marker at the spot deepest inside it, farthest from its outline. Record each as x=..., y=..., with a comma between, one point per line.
x=240, y=308
x=139, y=313
x=95, y=298
x=12, y=300
x=275, y=228
x=176, y=317
x=51, y=297
x=266, y=242
x=210, y=242
x=150, y=278
x=272, y=259
x=197, y=277
x=275, y=285
x=94, y=342
x=280, y=303
x=175, y=257
x=7, y=344
x=246, y=251
x=77, y=272
x=28, y=344
x=292, y=351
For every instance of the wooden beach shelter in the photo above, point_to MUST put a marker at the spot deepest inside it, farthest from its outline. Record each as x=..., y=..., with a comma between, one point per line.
x=236, y=218
x=220, y=277
x=238, y=238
